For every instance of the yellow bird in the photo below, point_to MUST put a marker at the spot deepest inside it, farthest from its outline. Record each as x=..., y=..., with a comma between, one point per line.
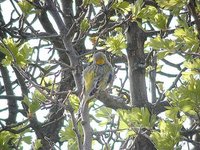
x=97, y=76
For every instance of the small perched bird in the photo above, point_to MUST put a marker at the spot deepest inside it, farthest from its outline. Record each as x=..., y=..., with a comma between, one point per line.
x=97, y=76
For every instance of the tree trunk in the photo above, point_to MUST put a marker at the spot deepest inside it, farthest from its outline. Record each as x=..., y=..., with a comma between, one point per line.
x=136, y=64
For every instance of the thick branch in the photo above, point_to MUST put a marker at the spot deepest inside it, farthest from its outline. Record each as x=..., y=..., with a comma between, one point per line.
x=111, y=101
x=136, y=63
x=68, y=57
x=192, y=9
x=23, y=87
x=11, y=97
x=12, y=103
x=87, y=130
x=116, y=102
x=159, y=107
x=70, y=51
x=167, y=74
x=52, y=9
x=68, y=12
x=178, y=66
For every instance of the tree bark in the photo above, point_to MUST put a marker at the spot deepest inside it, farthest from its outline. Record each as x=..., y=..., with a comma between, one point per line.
x=12, y=102
x=136, y=64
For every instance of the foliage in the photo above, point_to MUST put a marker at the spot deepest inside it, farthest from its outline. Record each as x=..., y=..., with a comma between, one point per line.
x=168, y=136
x=15, y=52
x=8, y=140
x=67, y=134
x=37, y=144
x=4, y=139
x=74, y=100
x=186, y=97
x=84, y=25
x=164, y=44
x=116, y=44
x=121, y=6
x=193, y=65
x=45, y=45
x=26, y=7
x=137, y=117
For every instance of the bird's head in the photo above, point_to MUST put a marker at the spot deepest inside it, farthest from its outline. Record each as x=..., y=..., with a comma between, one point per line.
x=99, y=58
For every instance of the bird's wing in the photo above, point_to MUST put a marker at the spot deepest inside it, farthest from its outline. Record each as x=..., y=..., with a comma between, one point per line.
x=89, y=79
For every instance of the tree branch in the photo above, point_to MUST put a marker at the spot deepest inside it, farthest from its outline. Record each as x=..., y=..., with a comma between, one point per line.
x=74, y=122
x=173, y=84
x=87, y=130
x=11, y=97
x=12, y=103
x=192, y=9
x=111, y=101
x=178, y=66
x=136, y=62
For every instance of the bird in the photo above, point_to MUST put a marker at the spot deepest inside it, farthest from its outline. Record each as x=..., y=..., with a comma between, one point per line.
x=97, y=76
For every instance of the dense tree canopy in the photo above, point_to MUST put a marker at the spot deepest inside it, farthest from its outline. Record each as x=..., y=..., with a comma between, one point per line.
x=153, y=46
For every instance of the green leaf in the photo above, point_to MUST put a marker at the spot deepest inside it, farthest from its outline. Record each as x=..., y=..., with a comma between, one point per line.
x=25, y=50
x=103, y=123
x=150, y=10
x=187, y=39
x=186, y=97
x=124, y=122
x=104, y=112
x=168, y=135
x=15, y=52
x=84, y=25
x=5, y=136
x=158, y=43
x=34, y=106
x=122, y=6
x=26, y=101
x=162, y=54
x=68, y=134
x=116, y=44
x=27, y=139
x=86, y=2
x=74, y=101
x=96, y=3
x=170, y=3
x=123, y=125
x=37, y=144
x=192, y=65
x=174, y=5
x=136, y=9
x=160, y=21
x=37, y=96
x=25, y=6
x=72, y=145
x=172, y=113
x=140, y=117
x=145, y=117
